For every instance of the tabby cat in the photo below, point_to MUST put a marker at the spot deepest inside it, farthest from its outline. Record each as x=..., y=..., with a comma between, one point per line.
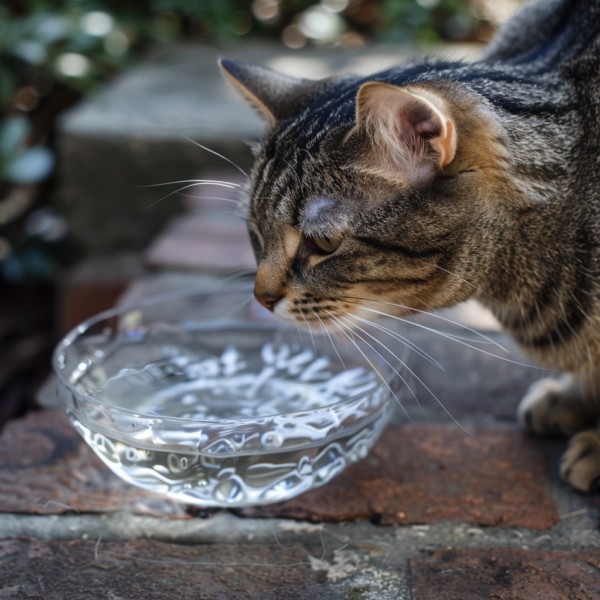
x=433, y=182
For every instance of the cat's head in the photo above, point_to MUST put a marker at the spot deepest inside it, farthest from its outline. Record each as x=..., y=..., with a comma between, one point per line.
x=368, y=193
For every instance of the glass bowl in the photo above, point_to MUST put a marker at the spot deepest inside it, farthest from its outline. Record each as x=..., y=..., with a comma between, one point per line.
x=204, y=397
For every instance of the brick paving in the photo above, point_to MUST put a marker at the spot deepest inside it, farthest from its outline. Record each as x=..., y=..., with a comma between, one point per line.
x=423, y=474
x=46, y=468
x=511, y=574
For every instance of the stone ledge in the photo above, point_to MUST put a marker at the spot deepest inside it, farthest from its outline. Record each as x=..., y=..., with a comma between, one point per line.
x=146, y=569
x=512, y=574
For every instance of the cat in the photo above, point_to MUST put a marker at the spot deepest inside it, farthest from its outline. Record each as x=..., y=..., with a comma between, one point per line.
x=434, y=182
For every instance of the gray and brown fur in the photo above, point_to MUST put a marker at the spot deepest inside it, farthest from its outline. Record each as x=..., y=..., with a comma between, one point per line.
x=512, y=220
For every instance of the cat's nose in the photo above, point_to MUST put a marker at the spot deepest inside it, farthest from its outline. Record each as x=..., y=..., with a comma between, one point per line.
x=268, y=301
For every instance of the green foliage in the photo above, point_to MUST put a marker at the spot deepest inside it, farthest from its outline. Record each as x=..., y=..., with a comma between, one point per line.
x=48, y=47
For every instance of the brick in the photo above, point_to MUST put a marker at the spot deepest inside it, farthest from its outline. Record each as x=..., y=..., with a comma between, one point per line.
x=431, y=473
x=88, y=570
x=95, y=285
x=415, y=474
x=47, y=468
x=510, y=574
x=196, y=242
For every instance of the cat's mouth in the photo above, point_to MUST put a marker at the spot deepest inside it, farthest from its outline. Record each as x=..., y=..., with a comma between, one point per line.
x=334, y=314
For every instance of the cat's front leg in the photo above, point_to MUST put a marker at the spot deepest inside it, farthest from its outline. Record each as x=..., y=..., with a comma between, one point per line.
x=568, y=406
x=580, y=464
x=562, y=406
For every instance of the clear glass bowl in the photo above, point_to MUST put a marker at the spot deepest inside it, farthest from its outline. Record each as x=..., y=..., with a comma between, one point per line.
x=205, y=398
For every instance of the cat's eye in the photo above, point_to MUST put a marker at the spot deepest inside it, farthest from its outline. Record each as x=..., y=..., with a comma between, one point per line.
x=328, y=244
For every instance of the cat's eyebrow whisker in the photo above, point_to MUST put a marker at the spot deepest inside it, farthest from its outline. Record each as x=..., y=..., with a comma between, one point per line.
x=198, y=181
x=330, y=339
x=175, y=192
x=411, y=345
x=208, y=150
x=343, y=330
x=209, y=198
x=451, y=337
x=462, y=325
x=411, y=372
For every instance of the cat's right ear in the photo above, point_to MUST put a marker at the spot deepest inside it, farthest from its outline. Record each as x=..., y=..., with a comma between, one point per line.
x=275, y=95
x=409, y=129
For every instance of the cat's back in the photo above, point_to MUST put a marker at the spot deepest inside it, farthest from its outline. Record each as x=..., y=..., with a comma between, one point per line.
x=552, y=33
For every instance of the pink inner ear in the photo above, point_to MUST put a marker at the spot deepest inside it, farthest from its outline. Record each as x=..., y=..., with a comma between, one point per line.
x=405, y=124
x=421, y=120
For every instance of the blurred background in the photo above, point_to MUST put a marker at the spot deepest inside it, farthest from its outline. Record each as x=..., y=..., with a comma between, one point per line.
x=99, y=98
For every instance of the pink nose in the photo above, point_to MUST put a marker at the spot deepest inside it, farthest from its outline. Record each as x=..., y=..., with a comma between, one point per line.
x=268, y=301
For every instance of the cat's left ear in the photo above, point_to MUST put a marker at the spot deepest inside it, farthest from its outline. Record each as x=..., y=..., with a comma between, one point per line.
x=410, y=128
x=275, y=95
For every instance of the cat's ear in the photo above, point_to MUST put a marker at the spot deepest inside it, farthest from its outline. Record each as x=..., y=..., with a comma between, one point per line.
x=410, y=130
x=275, y=95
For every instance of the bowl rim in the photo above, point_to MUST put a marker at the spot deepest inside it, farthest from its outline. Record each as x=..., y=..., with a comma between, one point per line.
x=68, y=339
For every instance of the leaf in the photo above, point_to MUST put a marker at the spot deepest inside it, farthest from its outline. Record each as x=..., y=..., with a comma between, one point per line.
x=33, y=165
x=13, y=132
x=7, y=85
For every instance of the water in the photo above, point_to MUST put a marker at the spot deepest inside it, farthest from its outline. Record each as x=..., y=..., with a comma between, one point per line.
x=202, y=385
x=242, y=480
x=245, y=448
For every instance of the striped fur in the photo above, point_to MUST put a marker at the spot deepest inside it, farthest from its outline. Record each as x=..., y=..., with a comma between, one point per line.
x=513, y=220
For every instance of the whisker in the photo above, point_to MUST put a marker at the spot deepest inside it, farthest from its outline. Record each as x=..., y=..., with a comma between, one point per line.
x=311, y=335
x=208, y=150
x=387, y=362
x=203, y=181
x=465, y=281
x=372, y=365
x=454, y=338
x=478, y=333
x=403, y=340
x=209, y=198
x=413, y=374
x=176, y=192
x=330, y=339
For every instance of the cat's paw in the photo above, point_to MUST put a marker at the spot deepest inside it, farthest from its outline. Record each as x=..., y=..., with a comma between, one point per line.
x=580, y=464
x=550, y=408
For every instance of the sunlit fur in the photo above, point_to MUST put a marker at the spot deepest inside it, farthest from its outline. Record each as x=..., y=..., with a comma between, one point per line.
x=512, y=220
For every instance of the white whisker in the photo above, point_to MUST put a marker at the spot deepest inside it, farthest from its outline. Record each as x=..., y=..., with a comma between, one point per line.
x=387, y=362
x=402, y=340
x=372, y=365
x=450, y=337
x=465, y=281
x=411, y=372
x=203, y=181
x=311, y=335
x=208, y=150
x=176, y=192
x=330, y=339
x=478, y=333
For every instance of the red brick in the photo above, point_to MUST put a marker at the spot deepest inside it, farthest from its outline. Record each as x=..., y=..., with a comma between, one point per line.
x=430, y=473
x=509, y=574
x=47, y=468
